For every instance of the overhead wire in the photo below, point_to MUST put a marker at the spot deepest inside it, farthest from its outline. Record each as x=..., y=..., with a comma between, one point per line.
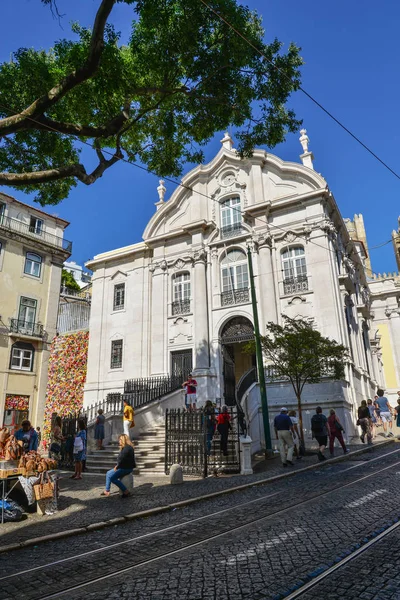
x=177, y=183
x=325, y=110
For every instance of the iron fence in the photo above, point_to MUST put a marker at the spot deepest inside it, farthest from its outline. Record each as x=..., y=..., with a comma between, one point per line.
x=144, y=390
x=235, y=297
x=292, y=285
x=192, y=443
x=26, y=327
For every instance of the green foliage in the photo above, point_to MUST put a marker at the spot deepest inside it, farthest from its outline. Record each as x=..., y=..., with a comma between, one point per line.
x=183, y=76
x=298, y=352
x=67, y=280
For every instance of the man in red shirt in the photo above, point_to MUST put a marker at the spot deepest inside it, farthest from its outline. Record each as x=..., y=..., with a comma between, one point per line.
x=190, y=387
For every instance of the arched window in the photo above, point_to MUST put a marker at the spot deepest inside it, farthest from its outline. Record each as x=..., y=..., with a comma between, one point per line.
x=231, y=217
x=235, y=278
x=181, y=294
x=33, y=264
x=294, y=270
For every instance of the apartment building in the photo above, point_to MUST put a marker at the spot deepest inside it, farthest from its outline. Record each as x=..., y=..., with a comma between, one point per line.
x=32, y=253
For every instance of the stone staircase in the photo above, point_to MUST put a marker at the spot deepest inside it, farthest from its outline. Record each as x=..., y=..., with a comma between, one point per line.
x=149, y=454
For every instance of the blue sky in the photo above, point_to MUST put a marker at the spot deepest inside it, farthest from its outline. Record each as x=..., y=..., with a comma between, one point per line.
x=351, y=57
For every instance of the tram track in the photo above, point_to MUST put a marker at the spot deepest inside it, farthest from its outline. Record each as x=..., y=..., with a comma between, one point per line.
x=159, y=554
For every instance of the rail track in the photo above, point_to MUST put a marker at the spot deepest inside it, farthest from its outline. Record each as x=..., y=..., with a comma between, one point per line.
x=189, y=534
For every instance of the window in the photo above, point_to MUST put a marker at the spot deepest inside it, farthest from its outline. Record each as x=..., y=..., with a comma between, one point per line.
x=119, y=296
x=33, y=264
x=231, y=216
x=294, y=270
x=36, y=226
x=116, y=354
x=365, y=338
x=235, y=279
x=27, y=311
x=22, y=357
x=2, y=211
x=234, y=271
x=181, y=294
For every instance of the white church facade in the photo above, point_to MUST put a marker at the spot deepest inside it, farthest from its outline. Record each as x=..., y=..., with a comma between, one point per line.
x=179, y=301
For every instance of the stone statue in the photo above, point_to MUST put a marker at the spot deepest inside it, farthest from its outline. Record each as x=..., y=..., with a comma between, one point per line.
x=304, y=139
x=161, y=190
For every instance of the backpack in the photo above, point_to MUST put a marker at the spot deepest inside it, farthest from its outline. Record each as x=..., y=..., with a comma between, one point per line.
x=317, y=424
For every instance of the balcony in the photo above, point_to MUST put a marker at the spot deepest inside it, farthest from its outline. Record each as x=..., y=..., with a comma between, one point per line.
x=235, y=297
x=181, y=307
x=294, y=285
x=39, y=235
x=26, y=328
x=231, y=231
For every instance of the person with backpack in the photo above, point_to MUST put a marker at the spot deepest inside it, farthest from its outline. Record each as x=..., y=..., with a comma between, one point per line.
x=320, y=431
x=364, y=421
x=336, y=432
x=79, y=449
x=209, y=415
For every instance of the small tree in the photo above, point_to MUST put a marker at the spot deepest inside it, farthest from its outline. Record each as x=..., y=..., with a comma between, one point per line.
x=68, y=281
x=298, y=352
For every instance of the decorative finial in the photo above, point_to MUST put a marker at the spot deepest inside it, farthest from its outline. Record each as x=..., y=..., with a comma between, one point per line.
x=161, y=190
x=227, y=141
x=307, y=157
x=304, y=139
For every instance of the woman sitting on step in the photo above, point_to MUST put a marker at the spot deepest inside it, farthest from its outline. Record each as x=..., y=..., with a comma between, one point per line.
x=125, y=465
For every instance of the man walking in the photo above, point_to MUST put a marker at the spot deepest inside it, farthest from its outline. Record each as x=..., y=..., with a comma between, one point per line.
x=128, y=418
x=320, y=431
x=382, y=404
x=284, y=433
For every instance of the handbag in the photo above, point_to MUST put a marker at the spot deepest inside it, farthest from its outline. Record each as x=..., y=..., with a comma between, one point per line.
x=56, y=448
x=45, y=488
x=338, y=426
x=78, y=444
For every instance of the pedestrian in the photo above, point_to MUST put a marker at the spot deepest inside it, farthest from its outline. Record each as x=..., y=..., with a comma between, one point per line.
x=28, y=436
x=320, y=431
x=284, y=433
x=385, y=410
x=125, y=465
x=397, y=412
x=56, y=439
x=296, y=434
x=39, y=434
x=99, y=429
x=209, y=415
x=190, y=386
x=79, y=449
x=335, y=432
x=129, y=418
x=364, y=420
x=223, y=426
x=377, y=412
x=372, y=413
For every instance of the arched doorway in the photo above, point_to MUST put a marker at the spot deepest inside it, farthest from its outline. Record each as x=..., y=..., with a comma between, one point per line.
x=234, y=336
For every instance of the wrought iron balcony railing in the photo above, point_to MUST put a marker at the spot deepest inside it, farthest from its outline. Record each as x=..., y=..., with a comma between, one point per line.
x=26, y=328
x=181, y=307
x=231, y=230
x=293, y=285
x=235, y=297
x=18, y=226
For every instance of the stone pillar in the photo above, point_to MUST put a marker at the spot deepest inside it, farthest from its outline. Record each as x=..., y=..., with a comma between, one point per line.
x=201, y=369
x=267, y=283
x=159, y=303
x=245, y=455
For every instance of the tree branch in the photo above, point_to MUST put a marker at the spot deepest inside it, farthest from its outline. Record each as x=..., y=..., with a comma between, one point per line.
x=40, y=105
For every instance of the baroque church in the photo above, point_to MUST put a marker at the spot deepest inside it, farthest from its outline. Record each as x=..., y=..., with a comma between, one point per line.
x=179, y=301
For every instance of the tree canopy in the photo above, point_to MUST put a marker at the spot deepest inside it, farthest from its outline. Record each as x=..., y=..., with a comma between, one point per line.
x=183, y=76
x=68, y=280
x=298, y=352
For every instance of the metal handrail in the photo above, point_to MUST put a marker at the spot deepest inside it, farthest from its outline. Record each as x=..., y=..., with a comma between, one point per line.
x=41, y=235
x=238, y=296
x=26, y=327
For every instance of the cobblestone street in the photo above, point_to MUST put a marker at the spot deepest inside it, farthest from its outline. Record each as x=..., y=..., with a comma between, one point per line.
x=277, y=537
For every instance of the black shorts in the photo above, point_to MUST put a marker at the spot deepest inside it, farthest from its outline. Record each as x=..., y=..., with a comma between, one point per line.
x=322, y=440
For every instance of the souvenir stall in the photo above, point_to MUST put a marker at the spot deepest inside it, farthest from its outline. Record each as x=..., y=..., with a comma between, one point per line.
x=27, y=468
x=16, y=409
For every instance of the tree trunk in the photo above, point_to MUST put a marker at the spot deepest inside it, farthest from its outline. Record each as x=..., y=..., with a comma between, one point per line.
x=298, y=396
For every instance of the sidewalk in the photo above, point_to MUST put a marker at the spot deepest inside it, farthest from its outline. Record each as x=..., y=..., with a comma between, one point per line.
x=80, y=503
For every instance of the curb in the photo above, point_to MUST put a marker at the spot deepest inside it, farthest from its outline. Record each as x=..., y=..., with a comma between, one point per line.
x=167, y=507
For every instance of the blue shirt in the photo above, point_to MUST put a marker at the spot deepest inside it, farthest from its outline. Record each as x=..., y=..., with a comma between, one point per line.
x=28, y=438
x=282, y=422
x=382, y=403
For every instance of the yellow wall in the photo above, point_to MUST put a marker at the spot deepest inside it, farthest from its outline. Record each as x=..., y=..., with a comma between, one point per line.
x=387, y=356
